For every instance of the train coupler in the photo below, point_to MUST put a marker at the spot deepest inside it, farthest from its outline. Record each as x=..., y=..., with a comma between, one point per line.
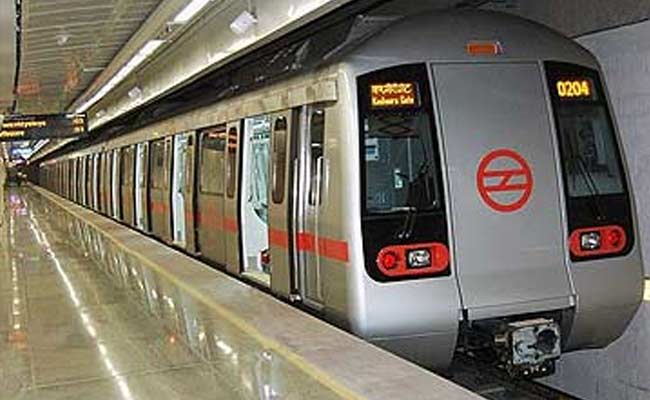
x=529, y=348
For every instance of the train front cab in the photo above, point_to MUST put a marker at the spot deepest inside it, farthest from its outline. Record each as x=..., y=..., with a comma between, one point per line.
x=495, y=207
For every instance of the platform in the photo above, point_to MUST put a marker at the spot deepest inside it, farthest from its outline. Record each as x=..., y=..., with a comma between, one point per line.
x=90, y=309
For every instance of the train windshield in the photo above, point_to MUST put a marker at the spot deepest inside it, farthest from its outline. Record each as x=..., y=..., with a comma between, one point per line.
x=590, y=155
x=398, y=142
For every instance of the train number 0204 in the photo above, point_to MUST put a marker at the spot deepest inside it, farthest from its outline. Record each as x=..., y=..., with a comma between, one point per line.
x=574, y=89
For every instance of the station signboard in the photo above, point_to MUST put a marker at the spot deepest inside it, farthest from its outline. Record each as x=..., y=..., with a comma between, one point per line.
x=36, y=127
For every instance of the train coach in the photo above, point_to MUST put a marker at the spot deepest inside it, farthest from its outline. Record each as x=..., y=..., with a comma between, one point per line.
x=455, y=181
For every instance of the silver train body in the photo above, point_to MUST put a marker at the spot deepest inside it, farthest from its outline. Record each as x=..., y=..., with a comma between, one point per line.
x=456, y=181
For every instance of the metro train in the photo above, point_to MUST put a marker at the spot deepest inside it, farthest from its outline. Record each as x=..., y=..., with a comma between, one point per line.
x=454, y=182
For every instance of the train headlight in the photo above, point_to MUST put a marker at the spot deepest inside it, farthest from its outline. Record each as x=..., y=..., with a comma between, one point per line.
x=597, y=241
x=412, y=260
x=419, y=258
x=590, y=241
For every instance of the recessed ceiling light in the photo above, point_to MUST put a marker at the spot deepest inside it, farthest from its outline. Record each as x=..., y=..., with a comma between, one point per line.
x=62, y=39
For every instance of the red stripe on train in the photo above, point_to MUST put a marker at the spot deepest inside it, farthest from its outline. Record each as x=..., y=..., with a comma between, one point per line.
x=230, y=225
x=334, y=249
x=306, y=241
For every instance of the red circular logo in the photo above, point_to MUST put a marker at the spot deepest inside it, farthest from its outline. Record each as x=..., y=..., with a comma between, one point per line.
x=504, y=180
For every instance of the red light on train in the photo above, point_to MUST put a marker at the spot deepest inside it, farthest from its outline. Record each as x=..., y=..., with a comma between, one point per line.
x=413, y=259
x=616, y=238
x=597, y=241
x=387, y=260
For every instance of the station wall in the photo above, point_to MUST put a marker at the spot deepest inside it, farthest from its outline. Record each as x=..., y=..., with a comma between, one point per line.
x=620, y=371
x=624, y=53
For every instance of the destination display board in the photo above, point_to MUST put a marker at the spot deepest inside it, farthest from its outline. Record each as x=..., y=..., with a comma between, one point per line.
x=394, y=95
x=35, y=127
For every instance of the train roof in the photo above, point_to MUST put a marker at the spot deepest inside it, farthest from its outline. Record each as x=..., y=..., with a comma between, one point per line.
x=444, y=36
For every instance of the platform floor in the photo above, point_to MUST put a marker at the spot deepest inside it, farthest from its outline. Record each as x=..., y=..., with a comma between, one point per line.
x=71, y=334
x=82, y=318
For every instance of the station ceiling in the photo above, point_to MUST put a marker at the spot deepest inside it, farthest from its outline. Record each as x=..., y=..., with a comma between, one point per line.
x=7, y=53
x=66, y=44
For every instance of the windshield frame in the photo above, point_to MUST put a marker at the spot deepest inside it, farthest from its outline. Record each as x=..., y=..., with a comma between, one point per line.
x=417, y=73
x=596, y=209
x=560, y=70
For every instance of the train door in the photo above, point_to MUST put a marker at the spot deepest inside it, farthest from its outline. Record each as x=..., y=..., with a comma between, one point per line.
x=231, y=207
x=105, y=182
x=280, y=239
x=179, y=183
x=82, y=181
x=307, y=178
x=159, y=195
x=115, y=183
x=94, y=188
x=73, y=180
x=211, y=196
x=189, y=192
x=89, y=181
x=141, y=179
x=503, y=183
x=108, y=183
x=100, y=182
x=254, y=202
x=127, y=172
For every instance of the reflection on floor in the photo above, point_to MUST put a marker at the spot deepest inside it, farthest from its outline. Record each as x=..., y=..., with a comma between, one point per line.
x=71, y=333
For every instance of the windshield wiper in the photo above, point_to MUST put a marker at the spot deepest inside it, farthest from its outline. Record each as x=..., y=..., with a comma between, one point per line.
x=591, y=184
x=413, y=208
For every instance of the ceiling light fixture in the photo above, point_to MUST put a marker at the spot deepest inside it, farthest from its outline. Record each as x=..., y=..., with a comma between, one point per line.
x=243, y=23
x=193, y=8
x=62, y=39
x=135, y=93
x=145, y=52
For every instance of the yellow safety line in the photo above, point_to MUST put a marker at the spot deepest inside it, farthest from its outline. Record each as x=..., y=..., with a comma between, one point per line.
x=318, y=374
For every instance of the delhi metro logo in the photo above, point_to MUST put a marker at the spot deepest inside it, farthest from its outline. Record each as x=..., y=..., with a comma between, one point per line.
x=504, y=180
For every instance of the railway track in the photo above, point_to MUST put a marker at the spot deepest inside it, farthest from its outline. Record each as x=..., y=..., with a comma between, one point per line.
x=492, y=383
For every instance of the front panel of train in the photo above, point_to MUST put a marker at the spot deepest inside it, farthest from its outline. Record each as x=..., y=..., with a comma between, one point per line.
x=603, y=253
x=507, y=218
x=507, y=179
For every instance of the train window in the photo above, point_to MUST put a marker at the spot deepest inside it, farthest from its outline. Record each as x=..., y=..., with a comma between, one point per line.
x=317, y=132
x=590, y=155
x=232, y=162
x=158, y=164
x=213, y=145
x=279, y=159
x=127, y=166
x=398, y=141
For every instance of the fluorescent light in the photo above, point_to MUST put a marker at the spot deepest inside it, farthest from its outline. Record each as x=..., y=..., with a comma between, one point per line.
x=646, y=294
x=39, y=145
x=147, y=50
x=190, y=11
x=304, y=9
